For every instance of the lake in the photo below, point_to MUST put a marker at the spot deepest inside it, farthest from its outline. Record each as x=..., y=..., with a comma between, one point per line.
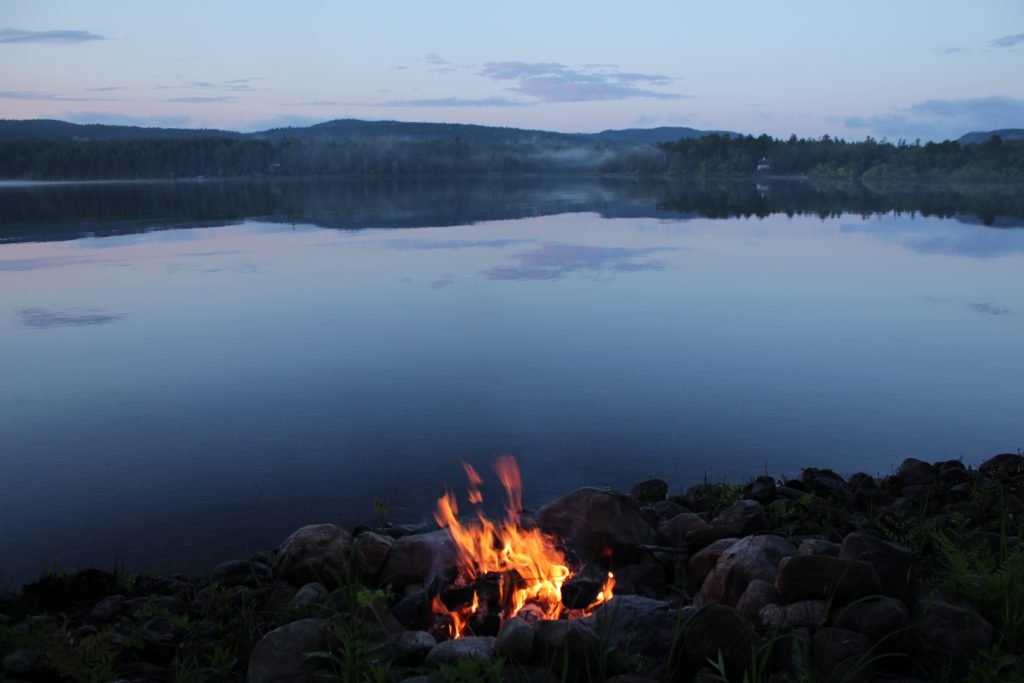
x=193, y=370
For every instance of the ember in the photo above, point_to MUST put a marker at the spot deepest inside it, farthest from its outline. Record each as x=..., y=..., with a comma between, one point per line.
x=507, y=570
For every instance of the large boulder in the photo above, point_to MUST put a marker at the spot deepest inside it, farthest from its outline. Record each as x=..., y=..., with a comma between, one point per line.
x=742, y=518
x=717, y=629
x=280, y=656
x=701, y=564
x=597, y=519
x=636, y=624
x=369, y=551
x=753, y=557
x=470, y=647
x=840, y=656
x=413, y=559
x=315, y=553
x=878, y=619
x=946, y=632
x=1003, y=466
x=675, y=531
x=819, y=577
x=891, y=561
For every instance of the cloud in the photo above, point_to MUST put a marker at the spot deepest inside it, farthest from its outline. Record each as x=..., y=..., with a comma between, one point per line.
x=555, y=261
x=434, y=58
x=201, y=100
x=47, y=96
x=985, y=308
x=235, y=85
x=47, y=318
x=554, y=82
x=107, y=88
x=14, y=35
x=1008, y=41
x=452, y=102
x=944, y=119
x=952, y=50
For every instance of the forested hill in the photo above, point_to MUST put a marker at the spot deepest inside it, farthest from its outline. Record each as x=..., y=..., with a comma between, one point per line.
x=1006, y=135
x=343, y=130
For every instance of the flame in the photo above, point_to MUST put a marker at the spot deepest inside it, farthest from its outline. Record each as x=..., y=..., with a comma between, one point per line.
x=528, y=568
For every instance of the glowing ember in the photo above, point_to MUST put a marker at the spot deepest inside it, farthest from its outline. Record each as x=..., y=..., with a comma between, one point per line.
x=505, y=570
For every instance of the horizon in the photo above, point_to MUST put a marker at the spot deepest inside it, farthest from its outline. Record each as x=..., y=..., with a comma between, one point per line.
x=919, y=69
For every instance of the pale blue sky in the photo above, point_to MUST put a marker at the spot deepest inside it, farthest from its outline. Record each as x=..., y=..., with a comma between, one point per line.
x=893, y=68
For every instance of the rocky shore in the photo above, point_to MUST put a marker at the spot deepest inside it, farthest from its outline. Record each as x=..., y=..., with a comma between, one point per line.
x=916, y=576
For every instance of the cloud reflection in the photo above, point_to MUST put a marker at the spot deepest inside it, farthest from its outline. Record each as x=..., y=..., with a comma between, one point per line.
x=555, y=261
x=942, y=237
x=985, y=308
x=42, y=318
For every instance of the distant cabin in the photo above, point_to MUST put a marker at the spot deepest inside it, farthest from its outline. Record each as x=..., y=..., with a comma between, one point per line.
x=763, y=165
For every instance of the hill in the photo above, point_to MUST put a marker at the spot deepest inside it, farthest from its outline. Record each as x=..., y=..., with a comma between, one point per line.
x=1006, y=134
x=342, y=130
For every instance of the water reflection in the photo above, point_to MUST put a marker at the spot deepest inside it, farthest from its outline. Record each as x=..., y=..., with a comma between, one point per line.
x=555, y=261
x=47, y=318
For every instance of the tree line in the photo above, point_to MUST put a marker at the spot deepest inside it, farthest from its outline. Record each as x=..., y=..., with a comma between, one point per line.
x=710, y=155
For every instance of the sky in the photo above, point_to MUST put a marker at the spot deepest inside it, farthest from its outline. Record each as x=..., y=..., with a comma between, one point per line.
x=928, y=69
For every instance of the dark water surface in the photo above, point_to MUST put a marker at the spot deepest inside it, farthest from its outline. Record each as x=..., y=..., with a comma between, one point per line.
x=190, y=371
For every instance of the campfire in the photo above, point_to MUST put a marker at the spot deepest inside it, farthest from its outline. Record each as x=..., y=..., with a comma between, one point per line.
x=507, y=569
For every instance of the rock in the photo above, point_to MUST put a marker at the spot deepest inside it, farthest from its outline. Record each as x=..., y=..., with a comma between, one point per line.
x=413, y=647
x=580, y=591
x=892, y=562
x=701, y=563
x=108, y=608
x=597, y=519
x=875, y=619
x=572, y=641
x=369, y=552
x=742, y=518
x=761, y=489
x=715, y=629
x=451, y=651
x=634, y=624
x=310, y=595
x=20, y=662
x=241, y=572
x=413, y=611
x=674, y=532
x=757, y=595
x=315, y=553
x=664, y=510
x=1003, y=466
x=517, y=673
x=801, y=614
x=280, y=656
x=914, y=472
x=415, y=558
x=154, y=604
x=515, y=641
x=816, y=546
x=942, y=631
x=753, y=557
x=650, y=491
x=817, y=577
x=840, y=656
x=647, y=578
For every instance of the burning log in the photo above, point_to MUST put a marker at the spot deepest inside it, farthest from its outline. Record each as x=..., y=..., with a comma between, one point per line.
x=580, y=592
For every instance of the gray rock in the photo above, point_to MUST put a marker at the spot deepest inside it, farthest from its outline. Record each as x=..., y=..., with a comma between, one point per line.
x=597, y=519
x=802, y=614
x=817, y=577
x=840, y=656
x=280, y=656
x=817, y=546
x=369, y=552
x=415, y=558
x=664, y=510
x=914, y=472
x=674, y=531
x=703, y=561
x=718, y=629
x=315, y=553
x=633, y=623
x=761, y=489
x=154, y=604
x=20, y=662
x=108, y=608
x=450, y=651
x=1003, y=466
x=742, y=518
x=892, y=562
x=757, y=595
x=752, y=557
x=413, y=647
x=575, y=641
x=647, y=578
x=310, y=595
x=942, y=630
x=874, y=619
x=515, y=641
x=650, y=491
x=241, y=572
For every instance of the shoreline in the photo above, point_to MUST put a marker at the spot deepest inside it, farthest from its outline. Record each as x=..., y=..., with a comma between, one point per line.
x=914, y=575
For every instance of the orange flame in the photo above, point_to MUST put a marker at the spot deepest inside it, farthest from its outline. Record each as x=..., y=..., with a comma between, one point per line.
x=508, y=549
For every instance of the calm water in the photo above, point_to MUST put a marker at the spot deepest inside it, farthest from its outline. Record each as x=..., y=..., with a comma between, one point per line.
x=192, y=371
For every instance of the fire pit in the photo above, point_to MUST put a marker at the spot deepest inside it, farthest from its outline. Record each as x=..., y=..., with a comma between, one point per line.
x=509, y=568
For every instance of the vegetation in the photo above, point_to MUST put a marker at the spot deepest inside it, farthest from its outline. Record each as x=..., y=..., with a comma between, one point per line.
x=55, y=150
